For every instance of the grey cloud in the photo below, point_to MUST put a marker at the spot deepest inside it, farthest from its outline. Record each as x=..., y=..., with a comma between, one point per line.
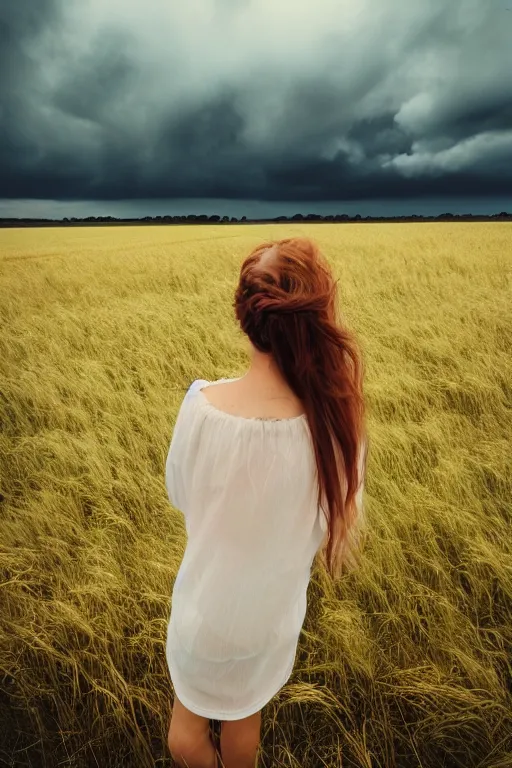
x=90, y=89
x=197, y=100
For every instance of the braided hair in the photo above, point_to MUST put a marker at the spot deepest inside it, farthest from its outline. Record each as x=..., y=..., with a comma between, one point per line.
x=286, y=303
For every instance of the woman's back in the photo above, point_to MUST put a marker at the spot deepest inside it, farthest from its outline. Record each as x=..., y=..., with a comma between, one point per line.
x=247, y=488
x=254, y=396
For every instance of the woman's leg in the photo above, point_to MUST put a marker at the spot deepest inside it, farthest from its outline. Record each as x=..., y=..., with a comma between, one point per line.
x=189, y=739
x=239, y=741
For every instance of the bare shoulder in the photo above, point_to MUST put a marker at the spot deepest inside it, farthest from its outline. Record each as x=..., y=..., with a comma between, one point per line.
x=240, y=398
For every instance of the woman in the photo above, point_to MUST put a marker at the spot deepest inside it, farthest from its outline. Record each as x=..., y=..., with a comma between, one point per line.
x=268, y=469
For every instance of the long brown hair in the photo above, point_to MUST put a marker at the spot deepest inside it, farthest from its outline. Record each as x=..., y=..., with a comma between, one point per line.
x=287, y=306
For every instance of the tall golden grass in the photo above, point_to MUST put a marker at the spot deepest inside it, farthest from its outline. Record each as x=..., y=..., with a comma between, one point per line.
x=405, y=663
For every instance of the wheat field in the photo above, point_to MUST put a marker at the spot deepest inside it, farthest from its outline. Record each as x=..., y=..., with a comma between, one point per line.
x=406, y=663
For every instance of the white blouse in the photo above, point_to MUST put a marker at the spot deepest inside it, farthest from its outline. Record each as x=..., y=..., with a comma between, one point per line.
x=247, y=490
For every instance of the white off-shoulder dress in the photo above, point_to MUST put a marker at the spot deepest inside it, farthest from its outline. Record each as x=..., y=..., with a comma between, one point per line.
x=247, y=490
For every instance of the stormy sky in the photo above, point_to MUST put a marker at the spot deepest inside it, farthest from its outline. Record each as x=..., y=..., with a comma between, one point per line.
x=326, y=104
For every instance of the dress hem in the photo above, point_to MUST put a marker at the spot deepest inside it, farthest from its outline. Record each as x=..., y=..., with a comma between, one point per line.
x=212, y=715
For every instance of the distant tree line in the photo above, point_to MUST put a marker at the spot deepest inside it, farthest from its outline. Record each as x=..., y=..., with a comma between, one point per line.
x=204, y=219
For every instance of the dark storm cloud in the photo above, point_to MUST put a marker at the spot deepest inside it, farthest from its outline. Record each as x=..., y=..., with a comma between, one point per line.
x=90, y=87
x=254, y=100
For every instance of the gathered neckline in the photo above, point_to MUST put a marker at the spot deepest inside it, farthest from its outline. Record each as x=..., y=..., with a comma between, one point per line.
x=258, y=419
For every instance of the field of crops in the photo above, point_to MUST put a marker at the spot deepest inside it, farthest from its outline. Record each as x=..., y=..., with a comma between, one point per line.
x=405, y=663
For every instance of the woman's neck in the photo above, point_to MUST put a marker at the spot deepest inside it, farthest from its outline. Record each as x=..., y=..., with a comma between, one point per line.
x=263, y=371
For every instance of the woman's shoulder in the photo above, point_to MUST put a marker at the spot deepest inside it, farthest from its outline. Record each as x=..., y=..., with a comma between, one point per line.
x=196, y=385
x=195, y=394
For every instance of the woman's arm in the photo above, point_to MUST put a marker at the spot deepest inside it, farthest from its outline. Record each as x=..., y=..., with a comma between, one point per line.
x=174, y=482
